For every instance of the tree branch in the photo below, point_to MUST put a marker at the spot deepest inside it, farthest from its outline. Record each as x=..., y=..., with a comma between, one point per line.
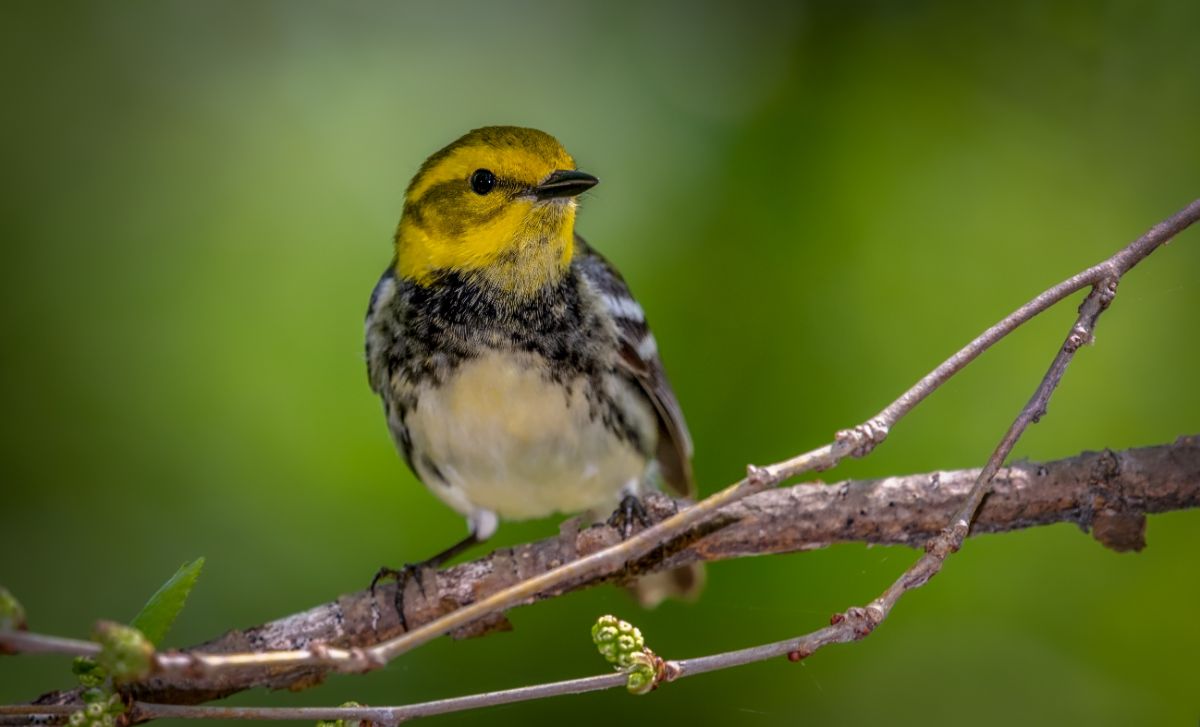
x=1091, y=490
x=1105, y=492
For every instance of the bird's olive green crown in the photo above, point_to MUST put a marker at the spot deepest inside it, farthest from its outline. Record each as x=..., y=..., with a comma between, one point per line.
x=497, y=205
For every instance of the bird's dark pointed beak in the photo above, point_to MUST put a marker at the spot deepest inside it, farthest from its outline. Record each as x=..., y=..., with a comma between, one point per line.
x=564, y=183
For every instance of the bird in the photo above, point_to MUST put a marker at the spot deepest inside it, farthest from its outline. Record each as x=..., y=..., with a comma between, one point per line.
x=518, y=375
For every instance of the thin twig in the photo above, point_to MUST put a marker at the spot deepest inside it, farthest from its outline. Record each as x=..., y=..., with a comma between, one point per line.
x=387, y=715
x=28, y=642
x=856, y=623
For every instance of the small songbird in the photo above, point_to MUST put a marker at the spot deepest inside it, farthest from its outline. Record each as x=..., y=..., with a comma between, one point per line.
x=517, y=372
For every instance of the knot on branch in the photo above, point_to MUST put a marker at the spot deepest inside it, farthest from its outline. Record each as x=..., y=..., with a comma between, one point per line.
x=860, y=621
x=1079, y=337
x=949, y=540
x=799, y=654
x=937, y=549
x=861, y=440
x=1116, y=523
x=664, y=671
x=1107, y=290
x=760, y=478
x=1119, y=530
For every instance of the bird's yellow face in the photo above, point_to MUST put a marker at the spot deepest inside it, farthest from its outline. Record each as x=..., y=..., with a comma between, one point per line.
x=498, y=205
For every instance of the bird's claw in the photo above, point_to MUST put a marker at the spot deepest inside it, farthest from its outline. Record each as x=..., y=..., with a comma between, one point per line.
x=401, y=575
x=630, y=509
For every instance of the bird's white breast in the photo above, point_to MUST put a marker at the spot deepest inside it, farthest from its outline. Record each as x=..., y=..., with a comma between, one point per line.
x=505, y=438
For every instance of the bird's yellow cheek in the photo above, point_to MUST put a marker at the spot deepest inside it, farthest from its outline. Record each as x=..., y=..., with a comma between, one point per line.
x=464, y=241
x=500, y=234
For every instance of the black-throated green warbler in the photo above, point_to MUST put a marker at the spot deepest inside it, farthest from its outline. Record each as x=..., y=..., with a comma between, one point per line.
x=517, y=372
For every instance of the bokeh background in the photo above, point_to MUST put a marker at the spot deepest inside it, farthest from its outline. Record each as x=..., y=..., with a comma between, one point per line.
x=816, y=202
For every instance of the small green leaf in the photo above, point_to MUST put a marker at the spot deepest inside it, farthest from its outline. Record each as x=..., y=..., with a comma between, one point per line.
x=156, y=617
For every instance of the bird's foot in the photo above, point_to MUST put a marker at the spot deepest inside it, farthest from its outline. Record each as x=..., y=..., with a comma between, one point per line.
x=631, y=509
x=414, y=570
x=401, y=575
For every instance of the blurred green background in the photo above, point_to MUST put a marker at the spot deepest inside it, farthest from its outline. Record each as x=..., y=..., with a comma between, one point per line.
x=815, y=202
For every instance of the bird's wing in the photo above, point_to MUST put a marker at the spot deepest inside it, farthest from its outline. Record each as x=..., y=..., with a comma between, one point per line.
x=640, y=361
x=379, y=329
x=383, y=337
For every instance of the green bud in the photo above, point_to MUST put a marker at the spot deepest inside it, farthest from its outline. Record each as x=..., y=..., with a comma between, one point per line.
x=621, y=643
x=12, y=613
x=617, y=640
x=125, y=653
x=77, y=719
x=642, y=673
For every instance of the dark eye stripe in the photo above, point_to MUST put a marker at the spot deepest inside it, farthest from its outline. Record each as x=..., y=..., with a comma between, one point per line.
x=441, y=208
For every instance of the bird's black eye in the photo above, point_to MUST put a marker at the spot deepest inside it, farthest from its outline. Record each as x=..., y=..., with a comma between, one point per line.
x=482, y=181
